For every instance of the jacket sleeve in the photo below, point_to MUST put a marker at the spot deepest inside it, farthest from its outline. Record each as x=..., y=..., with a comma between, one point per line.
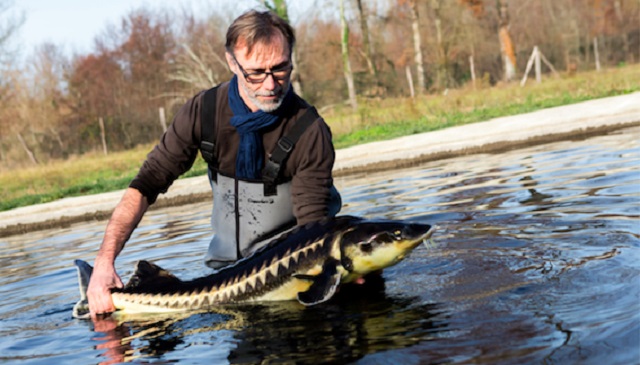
x=312, y=162
x=173, y=155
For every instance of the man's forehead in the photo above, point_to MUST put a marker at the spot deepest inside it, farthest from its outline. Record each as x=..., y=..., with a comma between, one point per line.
x=274, y=48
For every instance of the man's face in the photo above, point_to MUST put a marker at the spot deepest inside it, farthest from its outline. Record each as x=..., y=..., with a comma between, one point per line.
x=266, y=95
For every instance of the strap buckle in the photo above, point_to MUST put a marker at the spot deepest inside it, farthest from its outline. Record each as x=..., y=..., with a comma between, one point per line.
x=286, y=144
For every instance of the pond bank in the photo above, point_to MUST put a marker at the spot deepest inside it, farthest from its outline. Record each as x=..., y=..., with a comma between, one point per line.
x=576, y=121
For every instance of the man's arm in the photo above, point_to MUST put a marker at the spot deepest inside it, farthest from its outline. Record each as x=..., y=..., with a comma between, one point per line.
x=312, y=162
x=124, y=220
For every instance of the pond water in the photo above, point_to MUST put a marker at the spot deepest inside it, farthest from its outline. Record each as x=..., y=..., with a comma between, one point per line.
x=536, y=260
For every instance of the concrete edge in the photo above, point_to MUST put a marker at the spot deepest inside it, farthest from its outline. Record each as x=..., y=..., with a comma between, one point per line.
x=493, y=147
x=195, y=197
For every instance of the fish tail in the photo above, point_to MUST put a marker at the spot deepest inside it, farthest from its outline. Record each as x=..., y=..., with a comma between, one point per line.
x=81, y=309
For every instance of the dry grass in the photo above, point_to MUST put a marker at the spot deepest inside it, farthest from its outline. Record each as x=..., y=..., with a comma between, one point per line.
x=376, y=119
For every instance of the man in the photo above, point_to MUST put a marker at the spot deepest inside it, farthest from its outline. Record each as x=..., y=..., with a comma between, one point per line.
x=270, y=156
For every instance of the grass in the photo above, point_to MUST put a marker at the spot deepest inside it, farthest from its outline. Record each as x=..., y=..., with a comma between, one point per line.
x=389, y=118
x=373, y=121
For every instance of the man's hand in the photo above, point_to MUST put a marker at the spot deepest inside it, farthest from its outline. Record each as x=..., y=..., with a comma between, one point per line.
x=124, y=220
x=103, y=279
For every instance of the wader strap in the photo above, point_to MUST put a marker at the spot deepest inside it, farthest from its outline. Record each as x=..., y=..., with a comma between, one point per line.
x=208, y=129
x=207, y=125
x=282, y=149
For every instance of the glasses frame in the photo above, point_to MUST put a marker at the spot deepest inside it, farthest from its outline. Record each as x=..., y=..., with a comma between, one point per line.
x=247, y=75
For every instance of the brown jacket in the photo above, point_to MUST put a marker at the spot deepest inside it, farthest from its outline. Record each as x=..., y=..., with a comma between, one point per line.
x=308, y=167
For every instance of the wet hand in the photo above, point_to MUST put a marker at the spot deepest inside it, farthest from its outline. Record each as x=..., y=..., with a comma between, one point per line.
x=103, y=279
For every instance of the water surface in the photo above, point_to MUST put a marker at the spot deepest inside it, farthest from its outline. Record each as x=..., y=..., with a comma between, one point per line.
x=536, y=260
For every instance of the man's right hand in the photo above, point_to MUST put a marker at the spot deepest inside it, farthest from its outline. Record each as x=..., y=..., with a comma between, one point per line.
x=124, y=220
x=103, y=279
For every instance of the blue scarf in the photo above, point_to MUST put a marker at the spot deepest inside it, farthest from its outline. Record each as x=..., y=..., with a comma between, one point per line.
x=250, y=156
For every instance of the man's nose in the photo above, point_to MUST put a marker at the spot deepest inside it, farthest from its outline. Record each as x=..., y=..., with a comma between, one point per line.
x=270, y=82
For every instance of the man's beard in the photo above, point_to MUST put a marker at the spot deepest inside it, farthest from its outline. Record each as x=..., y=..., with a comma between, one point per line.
x=266, y=106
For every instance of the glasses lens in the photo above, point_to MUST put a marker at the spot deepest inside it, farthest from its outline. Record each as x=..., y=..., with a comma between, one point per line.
x=256, y=77
x=279, y=74
x=282, y=73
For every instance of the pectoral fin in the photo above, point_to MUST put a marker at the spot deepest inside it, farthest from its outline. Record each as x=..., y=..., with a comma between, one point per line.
x=323, y=287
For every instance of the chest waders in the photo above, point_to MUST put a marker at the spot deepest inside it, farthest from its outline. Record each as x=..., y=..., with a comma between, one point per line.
x=246, y=213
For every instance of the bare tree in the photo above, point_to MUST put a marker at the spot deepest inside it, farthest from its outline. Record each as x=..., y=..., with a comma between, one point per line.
x=199, y=61
x=194, y=69
x=348, y=74
x=280, y=7
x=506, y=43
x=47, y=102
x=366, y=43
x=9, y=25
x=417, y=45
x=441, y=68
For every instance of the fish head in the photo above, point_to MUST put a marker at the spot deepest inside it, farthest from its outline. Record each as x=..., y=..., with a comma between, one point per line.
x=374, y=245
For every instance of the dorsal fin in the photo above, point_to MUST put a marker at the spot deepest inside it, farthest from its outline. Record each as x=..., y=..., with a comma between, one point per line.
x=150, y=277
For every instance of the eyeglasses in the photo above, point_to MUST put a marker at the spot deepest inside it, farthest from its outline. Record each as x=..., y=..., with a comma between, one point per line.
x=257, y=77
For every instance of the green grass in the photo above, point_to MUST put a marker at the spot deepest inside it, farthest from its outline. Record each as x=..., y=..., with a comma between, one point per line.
x=383, y=119
x=375, y=120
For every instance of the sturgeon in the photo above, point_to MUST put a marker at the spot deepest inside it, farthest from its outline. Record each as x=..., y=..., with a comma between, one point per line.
x=307, y=263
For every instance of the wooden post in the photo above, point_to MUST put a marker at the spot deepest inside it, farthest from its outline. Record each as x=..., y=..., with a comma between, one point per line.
x=537, y=64
x=546, y=62
x=529, y=65
x=103, y=135
x=535, y=58
x=473, y=71
x=410, y=81
x=32, y=157
x=163, y=120
x=595, y=53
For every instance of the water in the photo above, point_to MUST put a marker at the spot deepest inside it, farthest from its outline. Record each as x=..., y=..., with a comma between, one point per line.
x=536, y=260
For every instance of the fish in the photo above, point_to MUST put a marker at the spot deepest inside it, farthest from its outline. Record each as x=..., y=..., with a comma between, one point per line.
x=307, y=264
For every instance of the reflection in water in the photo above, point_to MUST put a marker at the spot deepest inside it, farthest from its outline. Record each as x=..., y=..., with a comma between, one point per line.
x=536, y=260
x=342, y=331
x=361, y=320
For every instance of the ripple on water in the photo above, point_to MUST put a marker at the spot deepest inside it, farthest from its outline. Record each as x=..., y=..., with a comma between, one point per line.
x=535, y=260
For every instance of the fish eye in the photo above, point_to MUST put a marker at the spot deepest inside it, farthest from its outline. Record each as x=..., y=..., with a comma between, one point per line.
x=397, y=234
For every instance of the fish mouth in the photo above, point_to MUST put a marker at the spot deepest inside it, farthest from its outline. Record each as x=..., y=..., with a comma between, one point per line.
x=418, y=234
x=427, y=239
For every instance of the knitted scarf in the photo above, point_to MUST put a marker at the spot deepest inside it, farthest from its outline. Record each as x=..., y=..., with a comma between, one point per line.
x=250, y=158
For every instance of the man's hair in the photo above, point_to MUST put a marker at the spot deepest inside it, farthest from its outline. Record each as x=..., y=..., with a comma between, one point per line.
x=255, y=27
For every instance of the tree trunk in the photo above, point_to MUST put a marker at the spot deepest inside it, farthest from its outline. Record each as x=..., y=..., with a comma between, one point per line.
x=617, y=6
x=410, y=81
x=32, y=157
x=417, y=46
x=58, y=138
x=163, y=119
x=348, y=75
x=103, y=135
x=366, y=43
x=596, y=54
x=296, y=79
x=442, y=79
x=506, y=44
x=280, y=7
x=472, y=69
